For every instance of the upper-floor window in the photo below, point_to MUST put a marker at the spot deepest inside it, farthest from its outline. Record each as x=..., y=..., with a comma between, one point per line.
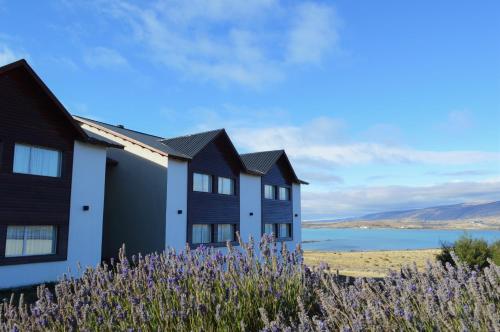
x=202, y=182
x=225, y=186
x=284, y=194
x=269, y=192
x=36, y=160
x=30, y=240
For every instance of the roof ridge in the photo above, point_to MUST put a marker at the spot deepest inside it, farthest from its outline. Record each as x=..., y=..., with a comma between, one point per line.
x=268, y=151
x=116, y=126
x=194, y=134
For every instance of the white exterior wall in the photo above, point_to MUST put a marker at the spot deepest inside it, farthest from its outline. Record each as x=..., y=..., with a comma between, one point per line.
x=297, y=221
x=176, y=224
x=250, y=201
x=85, y=227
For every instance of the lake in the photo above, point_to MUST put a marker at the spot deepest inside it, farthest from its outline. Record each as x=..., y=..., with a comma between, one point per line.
x=357, y=239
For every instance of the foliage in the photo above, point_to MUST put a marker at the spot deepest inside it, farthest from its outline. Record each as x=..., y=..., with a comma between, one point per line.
x=205, y=289
x=473, y=252
x=495, y=252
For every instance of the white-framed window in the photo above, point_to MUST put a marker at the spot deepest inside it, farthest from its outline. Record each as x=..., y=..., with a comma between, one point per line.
x=30, y=240
x=284, y=194
x=269, y=192
x=202, y=233
x=284, y=230
x=36, y=160
x=225, y=186
x=269, y=229
x=225, y=232
x=202, y=182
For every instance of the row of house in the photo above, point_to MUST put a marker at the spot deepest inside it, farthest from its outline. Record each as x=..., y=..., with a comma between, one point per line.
x=73, y=190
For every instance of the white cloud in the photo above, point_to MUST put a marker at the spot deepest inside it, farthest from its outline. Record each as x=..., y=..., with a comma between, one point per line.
x=315, y=142
x=7, y=55
x=102, y=57
x=356, y=201
x=246, y=42
x=314, y=33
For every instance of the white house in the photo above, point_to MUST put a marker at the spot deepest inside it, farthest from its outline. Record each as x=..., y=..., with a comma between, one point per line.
x=194, y=189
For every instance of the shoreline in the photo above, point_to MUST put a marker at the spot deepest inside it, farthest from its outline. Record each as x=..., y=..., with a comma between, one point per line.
x=465, y=225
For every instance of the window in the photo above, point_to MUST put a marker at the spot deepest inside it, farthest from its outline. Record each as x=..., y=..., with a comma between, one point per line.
x=202, y=182
x=284, y=194
x=30, y=241
x=202, y=233
x=269, y=229
x=269, y=192
x=37, y=161
x=225, y=232
x=284, y=230
x=225, y=186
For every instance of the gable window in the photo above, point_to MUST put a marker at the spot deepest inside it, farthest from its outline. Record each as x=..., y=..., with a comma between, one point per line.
x=30, y=241
x=284, y=194
x=202, y=233
x=36, y=160
x=202, y=182
x=225, y=232
x=269, y=192
x=225, y=186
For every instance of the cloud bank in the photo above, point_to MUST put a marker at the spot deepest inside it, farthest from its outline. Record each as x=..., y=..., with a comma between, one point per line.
x=229, y=41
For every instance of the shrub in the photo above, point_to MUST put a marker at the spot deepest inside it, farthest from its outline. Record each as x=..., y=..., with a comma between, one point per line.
x=206, y=290
x=473, y=252
x=495, y=252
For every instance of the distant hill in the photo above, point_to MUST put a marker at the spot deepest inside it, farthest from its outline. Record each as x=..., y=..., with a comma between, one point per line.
x=457, y=216
x=444, y=212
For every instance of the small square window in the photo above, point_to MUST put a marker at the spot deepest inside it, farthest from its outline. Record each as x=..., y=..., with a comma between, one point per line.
x=284, y=194
x=269, y=192
x=225, y=186
x=225, y=232
x=202, y=182
x=284, y=230
x=269, y=229
x=201, y=233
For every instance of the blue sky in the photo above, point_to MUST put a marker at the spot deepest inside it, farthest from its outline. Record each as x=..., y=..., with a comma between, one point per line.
x=381, y=105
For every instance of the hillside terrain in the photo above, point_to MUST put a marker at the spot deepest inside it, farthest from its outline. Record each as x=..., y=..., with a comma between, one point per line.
x=457, y=216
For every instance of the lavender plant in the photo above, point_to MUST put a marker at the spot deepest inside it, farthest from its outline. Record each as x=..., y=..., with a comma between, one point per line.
x=206, y=290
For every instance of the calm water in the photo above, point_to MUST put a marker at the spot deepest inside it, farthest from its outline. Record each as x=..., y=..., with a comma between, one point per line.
x=355, y=239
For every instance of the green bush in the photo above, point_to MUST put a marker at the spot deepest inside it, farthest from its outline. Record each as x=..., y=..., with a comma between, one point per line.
x=495, y=252
x=470, y=251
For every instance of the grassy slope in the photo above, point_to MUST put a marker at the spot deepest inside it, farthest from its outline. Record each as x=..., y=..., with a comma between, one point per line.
x=370, y=263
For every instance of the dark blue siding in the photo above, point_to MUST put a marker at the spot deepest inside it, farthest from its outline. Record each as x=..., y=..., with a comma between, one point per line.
x=216, y=159
x=276, y=211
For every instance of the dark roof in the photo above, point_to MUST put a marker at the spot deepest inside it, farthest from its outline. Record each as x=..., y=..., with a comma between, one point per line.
x=190, y=145
x=80, y=133
x=152, y=141
x=96, y=139
x=262, y=162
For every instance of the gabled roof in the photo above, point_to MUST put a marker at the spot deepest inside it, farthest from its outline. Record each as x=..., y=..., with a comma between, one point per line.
x=79, y=132
x=150, y=141
x=262, y=162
